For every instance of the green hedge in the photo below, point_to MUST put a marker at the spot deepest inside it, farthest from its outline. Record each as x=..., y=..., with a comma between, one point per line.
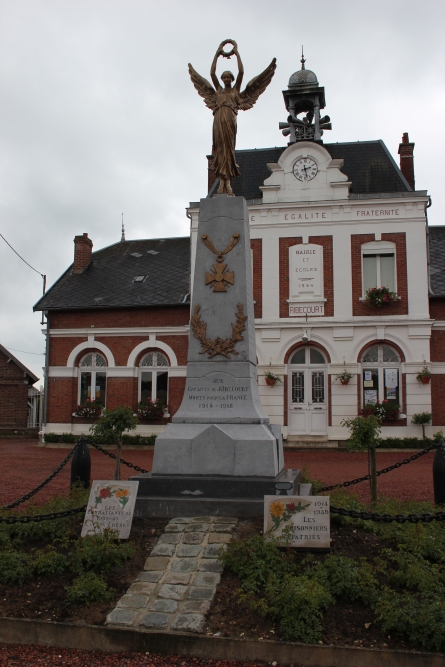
x=406, y=443
x=126, y=439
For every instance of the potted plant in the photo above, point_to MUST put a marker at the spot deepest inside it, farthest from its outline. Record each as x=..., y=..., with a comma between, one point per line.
x=91, y=409
x=421, y=419
x=376, y=297
x=271, y=379
x=344, y=377
x=151, y=411
x=424, y=376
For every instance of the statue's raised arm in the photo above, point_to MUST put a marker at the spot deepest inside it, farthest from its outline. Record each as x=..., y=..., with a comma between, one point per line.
x=225, y=102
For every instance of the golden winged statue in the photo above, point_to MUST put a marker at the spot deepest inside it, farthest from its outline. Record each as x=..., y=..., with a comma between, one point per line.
x=225, y=102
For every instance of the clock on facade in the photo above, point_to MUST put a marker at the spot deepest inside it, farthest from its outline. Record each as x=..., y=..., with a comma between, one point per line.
x=305, y=169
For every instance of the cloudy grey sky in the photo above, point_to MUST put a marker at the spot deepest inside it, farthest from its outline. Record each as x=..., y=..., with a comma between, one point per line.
x=98, y=115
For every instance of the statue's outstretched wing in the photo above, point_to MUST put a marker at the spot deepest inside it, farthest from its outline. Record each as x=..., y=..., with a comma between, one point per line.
x=257, y=86
x=204, y=88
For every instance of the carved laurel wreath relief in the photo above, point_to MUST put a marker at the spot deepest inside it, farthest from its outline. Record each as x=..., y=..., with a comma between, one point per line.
x=218, y=346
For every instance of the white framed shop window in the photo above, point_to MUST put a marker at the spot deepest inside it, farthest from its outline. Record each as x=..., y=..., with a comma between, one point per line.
x=381, y=375
x=379, y=265
x=93, y=378
x=153, y=378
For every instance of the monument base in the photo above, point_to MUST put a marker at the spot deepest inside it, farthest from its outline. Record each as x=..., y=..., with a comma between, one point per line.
x=217, y=495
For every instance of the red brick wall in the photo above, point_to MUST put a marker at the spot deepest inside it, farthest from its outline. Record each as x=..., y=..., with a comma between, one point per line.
x=121, y=391
x=328, y=272
x=13, y=394
x=360, y=307
x=61, y=348
x=83, y=248
x=115, y=317
x=179, y=345
x=437, y=309
x=438, y=399
x=62, y=399
x=437, y=347
x=175, y=393
x=257, y=253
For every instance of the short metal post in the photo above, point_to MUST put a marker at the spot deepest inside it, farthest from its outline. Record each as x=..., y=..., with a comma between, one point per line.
x=81, y=464
x=439, y=475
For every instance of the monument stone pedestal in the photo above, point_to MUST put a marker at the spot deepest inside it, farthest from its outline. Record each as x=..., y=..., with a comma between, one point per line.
x=220, y=454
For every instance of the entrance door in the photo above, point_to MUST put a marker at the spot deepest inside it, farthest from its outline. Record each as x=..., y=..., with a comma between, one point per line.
x=308, y=395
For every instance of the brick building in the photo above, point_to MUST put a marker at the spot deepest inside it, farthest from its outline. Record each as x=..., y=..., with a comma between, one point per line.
x=327, y=222
x=15, y=381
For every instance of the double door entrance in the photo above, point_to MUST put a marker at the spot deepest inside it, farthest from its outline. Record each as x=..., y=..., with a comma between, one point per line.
x=308, y=395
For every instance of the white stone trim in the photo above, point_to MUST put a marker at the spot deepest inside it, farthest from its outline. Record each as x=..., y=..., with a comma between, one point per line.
x=87, y=345
x=153, y=343
x=181, y=330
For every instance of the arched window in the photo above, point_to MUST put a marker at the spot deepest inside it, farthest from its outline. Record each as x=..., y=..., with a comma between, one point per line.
x=153, y=378
x=93, y=378
x=381, y=374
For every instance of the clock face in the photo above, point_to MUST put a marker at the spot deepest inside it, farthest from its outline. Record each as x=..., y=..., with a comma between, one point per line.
x=305, y=169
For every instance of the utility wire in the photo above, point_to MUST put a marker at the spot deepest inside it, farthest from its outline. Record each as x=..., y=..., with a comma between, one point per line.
x=23, y=260
x=38, y=354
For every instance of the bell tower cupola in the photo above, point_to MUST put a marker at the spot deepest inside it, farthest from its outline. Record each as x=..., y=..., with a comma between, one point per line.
x=304, y=96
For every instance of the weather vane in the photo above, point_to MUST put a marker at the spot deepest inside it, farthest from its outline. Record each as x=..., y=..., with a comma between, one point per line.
x=225, y=102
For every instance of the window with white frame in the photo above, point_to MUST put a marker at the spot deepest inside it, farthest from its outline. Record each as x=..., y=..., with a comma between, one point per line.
x=153, y=378
x=93, y=378
x=379, y=265
x=381, y=375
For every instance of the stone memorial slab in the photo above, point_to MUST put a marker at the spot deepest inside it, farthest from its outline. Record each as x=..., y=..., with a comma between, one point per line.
x=306, y=520
x=110, y=506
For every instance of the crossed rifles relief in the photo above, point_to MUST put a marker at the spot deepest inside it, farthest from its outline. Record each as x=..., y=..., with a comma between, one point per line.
x=218, y=278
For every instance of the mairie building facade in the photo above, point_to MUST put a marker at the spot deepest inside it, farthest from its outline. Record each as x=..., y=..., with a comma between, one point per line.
x=328, y=221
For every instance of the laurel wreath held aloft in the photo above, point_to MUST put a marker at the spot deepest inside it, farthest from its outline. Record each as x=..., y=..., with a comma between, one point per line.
x=218, y=346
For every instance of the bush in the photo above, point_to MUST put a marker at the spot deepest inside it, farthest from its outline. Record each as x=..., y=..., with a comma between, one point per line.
x=70, y=438
x=100, y=553
x=87, y=589
x=15, y=567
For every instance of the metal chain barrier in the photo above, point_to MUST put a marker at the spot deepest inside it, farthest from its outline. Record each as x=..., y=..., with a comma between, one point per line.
x=55, y=472
x=399, y=464
x=42, y=517
x=388, y=518
x=113, y=456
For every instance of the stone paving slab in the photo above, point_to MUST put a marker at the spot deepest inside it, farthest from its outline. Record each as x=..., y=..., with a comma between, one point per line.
x=178, y=584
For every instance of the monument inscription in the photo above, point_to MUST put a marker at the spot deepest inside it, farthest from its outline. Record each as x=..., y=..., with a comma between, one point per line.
x=305, y=520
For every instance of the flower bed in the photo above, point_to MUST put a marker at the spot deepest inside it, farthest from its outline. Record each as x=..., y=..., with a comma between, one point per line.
x=386, y=410
x=151, y=411
x=91, y=409
x=376, y=297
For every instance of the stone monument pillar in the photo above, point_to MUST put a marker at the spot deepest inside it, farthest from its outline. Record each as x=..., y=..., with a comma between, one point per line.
x=220, y=443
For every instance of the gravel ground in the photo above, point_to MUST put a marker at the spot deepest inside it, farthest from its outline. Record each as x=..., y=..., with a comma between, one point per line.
x=32, y=656
x=24, y=465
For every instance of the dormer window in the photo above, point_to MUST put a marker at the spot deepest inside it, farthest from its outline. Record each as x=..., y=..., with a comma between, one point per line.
x=139, y=279
x=379, y=265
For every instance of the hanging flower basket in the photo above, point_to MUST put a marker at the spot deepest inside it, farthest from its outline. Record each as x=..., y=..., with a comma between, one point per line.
x=424, y=376
x=376, y=297
x=344, y=377
x=271, y=379
x=151, y=411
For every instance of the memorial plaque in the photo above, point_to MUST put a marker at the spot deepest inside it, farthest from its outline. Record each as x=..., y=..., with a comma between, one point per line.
x=305, y=520
x=110, y=505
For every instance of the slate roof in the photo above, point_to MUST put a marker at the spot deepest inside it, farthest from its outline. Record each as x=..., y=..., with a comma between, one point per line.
x=437, y=260
x=32, y=379
x=108, y=282
x=367, y=164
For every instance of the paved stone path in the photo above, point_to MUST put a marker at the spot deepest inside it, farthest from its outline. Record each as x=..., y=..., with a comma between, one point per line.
x=177, y=586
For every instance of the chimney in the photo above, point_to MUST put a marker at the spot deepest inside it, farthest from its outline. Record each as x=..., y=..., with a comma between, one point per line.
x=211, y=173
x=406, y=152
x=83, y=248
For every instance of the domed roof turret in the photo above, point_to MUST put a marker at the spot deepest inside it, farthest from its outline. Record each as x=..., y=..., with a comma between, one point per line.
x=302, y=76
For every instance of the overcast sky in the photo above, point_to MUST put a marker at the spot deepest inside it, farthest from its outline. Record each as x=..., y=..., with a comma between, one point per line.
x=98, y=115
